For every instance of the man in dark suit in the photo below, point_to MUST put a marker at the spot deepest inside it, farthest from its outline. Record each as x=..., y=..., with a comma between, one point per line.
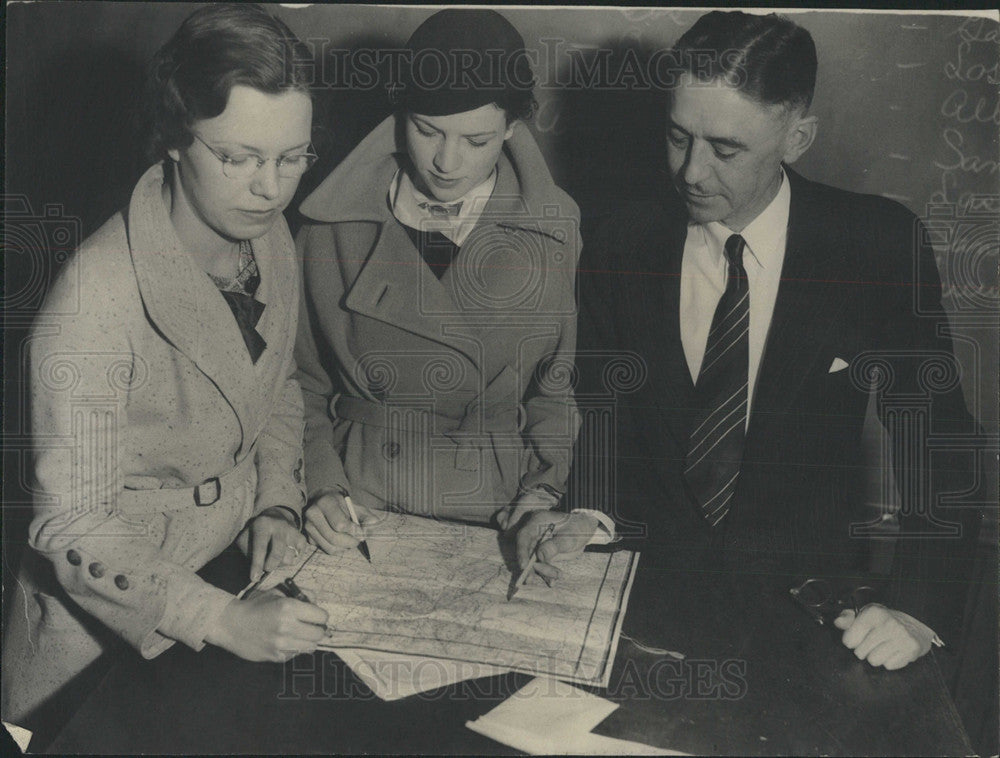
x=763, y=309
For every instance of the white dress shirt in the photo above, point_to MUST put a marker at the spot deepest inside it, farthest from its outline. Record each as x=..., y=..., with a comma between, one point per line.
x=703, y=280
x=405, y=200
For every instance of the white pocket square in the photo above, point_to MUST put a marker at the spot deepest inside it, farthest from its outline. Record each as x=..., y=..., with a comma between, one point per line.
x=839, y=364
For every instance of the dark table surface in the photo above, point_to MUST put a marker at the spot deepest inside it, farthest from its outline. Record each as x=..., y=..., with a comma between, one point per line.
x=759, y=678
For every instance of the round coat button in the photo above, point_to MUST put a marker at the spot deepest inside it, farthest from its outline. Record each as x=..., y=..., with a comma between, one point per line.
x=73, y=557
x=96, y=570
x=390, y=449
x=121, y=582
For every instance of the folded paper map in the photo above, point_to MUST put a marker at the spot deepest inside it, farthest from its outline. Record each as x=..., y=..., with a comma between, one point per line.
x=440, y=590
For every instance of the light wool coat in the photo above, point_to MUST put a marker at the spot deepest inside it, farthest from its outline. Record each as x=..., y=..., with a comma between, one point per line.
x=141, y=390
x=439, y=397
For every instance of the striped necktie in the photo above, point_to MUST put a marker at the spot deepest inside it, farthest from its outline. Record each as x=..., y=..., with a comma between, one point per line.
x=715, y=448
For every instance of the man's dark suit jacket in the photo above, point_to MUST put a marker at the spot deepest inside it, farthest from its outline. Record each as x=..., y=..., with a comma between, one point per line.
x=859, y=283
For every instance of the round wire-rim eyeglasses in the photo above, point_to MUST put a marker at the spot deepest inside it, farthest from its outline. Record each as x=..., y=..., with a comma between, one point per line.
x=245, y=165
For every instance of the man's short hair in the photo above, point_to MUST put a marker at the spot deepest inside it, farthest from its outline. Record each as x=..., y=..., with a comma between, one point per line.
x=769, y=58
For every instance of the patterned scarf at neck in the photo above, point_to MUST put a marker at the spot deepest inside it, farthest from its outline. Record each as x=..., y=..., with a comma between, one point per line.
x=239, y=294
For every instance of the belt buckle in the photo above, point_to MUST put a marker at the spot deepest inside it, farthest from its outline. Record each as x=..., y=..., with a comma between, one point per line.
x=214, y=500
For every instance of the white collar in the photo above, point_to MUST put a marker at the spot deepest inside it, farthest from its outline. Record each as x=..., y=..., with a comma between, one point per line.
x=765, y=235
x=405, y=200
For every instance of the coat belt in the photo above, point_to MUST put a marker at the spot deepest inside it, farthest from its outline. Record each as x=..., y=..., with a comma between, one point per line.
x=468, y=432
x=205, y=494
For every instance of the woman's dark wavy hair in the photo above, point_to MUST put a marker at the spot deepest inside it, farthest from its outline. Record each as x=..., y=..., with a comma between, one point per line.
x=518, y=104
x=216, y=48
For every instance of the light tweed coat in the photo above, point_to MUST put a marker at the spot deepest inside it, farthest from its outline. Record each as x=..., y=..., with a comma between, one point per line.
x=140, y=380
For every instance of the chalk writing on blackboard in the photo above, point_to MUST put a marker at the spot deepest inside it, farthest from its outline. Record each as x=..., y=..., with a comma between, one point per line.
x=972, y=105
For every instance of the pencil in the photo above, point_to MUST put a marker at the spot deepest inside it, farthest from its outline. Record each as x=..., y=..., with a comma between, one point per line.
x=363, y=545
x=290, y=588
x=526, y=571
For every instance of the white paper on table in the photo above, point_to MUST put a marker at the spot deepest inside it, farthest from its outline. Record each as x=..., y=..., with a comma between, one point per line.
x=392, y=676
x=550, y=717
x=19, y=734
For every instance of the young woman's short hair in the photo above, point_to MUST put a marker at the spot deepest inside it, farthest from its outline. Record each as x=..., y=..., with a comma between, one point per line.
x=217, y=47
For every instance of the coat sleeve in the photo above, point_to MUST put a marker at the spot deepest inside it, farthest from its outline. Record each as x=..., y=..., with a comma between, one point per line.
x=322, y=460
x=919, y=398
x=279, y=453
x=82, y=367
x=279, y=447
x=551, y=416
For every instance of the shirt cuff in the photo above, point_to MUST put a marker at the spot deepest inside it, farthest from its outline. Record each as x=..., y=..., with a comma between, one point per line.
x=922, y=628
x=605, y=532
x=544, y=490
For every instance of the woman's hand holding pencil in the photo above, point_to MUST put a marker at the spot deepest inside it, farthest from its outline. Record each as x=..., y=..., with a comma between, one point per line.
x=334, y=522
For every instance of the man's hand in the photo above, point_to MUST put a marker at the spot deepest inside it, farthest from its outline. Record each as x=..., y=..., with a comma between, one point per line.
x=328, y=523
x=883, y=636
x=269, y=627
x=274, y=541
x=573, y=532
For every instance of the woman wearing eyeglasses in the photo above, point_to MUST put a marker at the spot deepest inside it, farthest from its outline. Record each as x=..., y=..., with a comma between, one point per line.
x=436, y=345
x=165, y=416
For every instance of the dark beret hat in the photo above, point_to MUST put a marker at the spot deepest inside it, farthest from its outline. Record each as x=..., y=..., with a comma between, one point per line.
x=461, y=59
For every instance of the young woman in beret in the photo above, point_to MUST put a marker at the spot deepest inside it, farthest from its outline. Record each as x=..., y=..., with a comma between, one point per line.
x=437, y=339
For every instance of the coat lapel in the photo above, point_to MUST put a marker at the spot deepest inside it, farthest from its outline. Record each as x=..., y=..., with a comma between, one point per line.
x=184, y=303
x=279, y=282
x=518, y=256
x=395, y=286
x=806, y=309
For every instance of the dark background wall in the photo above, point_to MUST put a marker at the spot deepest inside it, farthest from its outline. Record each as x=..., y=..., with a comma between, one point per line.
x=907, y=104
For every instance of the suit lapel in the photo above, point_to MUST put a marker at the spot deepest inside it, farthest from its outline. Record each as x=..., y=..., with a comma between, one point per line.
x=679, y=388
x=806, y=309
x=660, y=281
